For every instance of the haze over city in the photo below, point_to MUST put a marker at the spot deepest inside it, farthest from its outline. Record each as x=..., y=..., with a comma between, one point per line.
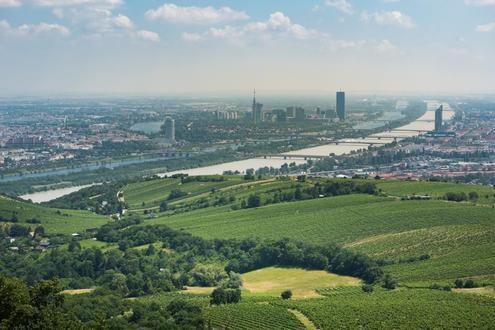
x=134, y=47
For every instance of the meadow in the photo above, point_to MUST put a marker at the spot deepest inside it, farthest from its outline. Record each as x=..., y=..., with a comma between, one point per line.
x=54, y=221
x=486, y=194
x=153, y=192
x=271, y=281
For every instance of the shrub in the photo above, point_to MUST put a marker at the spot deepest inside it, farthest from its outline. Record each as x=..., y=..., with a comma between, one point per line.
x=389, y=283
x=287, y=294
x=225, y=296
x=368, y=288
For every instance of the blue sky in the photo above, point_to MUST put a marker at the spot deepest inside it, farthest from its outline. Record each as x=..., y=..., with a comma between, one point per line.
x=159, y=47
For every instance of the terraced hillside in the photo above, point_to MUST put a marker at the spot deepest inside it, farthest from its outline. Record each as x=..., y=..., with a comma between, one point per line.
x=423, y=239
x=153, y=192
x=52, y=220
x=402, y=309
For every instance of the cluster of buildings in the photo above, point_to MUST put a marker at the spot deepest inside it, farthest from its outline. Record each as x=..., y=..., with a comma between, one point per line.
x=295, y=114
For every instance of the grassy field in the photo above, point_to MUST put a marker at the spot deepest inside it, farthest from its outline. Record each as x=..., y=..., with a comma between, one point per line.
x=53, y=220
x=155, y=191
x=381, y=227
x=303, y=283
x=484, y=291
x=436, y=189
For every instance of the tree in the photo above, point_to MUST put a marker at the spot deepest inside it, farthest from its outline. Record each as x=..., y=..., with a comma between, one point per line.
x=298, y=194
x=473, y=196
x=225, y=296
x=459, y=283
x=150, y=250
x=176, y=193
x=389, y=282
x=253, y=201
x=368, y=288
x=119, y=284
x=13, y=293
x=233, y=282
x=39, y=231
x=163, y=206
x=74, y=245
x=287, y=294
x=469, y=284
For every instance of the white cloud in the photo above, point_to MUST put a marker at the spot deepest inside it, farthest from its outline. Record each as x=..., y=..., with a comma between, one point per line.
x=391, y=18
x=342, y=5
x=340, y=44
x=385, y=46
x=277, y=25
x=148, y=35
x=123, y=21
x=58, y=12
x=480, y=2
x=195, y=15
x=10, y=3
x=33, y=29
x=68, y=3
x=486, y=27
x=192, y=37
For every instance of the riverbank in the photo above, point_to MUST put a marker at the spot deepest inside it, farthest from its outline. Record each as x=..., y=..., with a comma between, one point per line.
x=344, y=146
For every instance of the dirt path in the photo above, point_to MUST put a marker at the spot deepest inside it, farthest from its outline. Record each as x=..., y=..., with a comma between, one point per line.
x=303, y=319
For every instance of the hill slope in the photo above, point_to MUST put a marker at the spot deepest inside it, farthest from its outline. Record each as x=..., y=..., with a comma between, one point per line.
x=53, y=220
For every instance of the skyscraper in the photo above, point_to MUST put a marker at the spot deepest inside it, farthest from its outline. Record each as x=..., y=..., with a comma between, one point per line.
x=439, y=119
x=257, y=109
x=341, y=105
x=170, y=129
x=300, y=114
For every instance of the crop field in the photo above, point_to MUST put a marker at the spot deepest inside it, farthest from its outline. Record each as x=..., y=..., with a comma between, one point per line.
x=380, y=227
x=436, y=189
x=399, y=309
x=252, y=316
x=53, y=220
x=302, y=283
x=155, y=191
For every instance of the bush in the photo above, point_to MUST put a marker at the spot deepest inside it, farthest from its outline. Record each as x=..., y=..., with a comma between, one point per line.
x=287, y=294
x=368, y=288
x=389, y=283
x=456, y=196
x=176, y=193
x=225, y=296
x=470, y=284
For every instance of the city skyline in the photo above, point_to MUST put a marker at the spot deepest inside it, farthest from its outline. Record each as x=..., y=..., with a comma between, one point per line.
x=160, y=47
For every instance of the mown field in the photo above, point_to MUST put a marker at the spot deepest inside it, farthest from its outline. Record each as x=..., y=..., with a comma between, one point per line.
x=53, y=220
x=272, y=281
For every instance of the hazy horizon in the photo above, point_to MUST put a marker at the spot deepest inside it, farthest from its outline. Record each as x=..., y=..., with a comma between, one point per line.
x=166, y=48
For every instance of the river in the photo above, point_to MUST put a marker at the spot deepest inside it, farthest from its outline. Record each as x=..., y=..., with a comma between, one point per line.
x=344, y=146
x=46, y=196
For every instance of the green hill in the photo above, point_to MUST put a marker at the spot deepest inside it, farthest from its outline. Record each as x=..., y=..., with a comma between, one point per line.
x=386, y=228
x=53, y=220
x=486, y=194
